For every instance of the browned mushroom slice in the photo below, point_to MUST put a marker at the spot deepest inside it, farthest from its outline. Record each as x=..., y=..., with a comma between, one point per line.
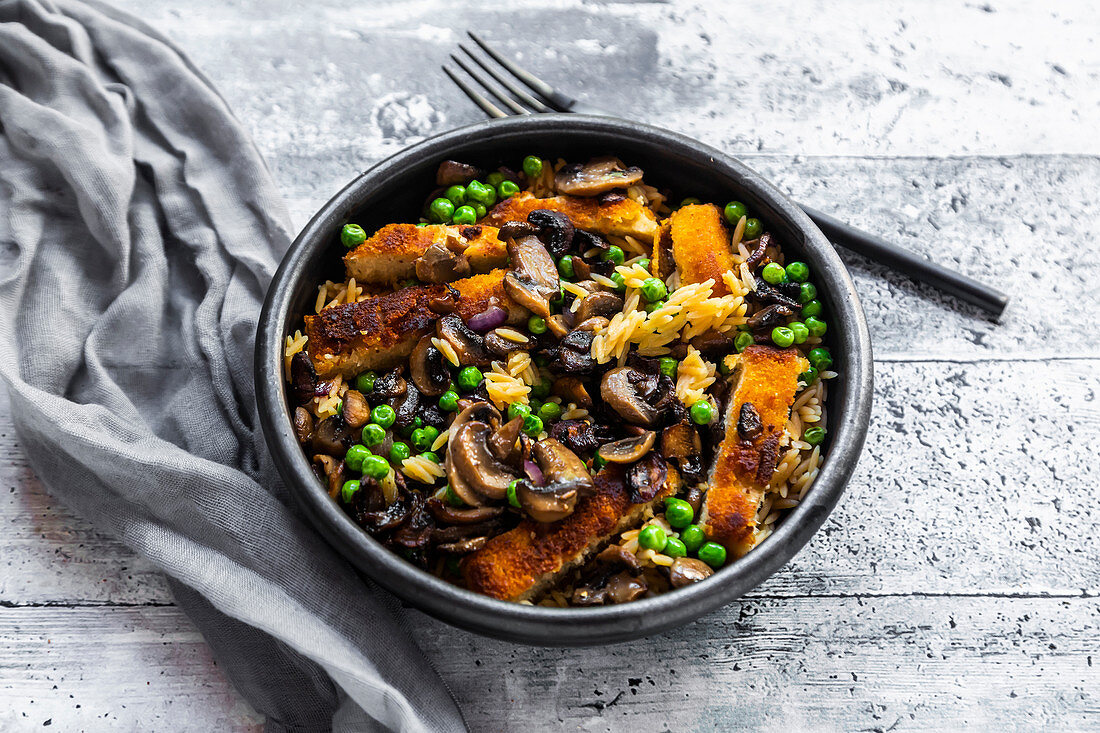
x=601, y=303
x=468, y=345
x=572, y=389
x=688, y=570
x=595, y=324
x=554, y=228
x=464, y=547
x=331, y=436
x=356, y=410
x=480, y=470
x=628, y=450
x=595, y=177
x=533, y=278
x=333, y=471
x=448, y=514
x=505, y=442
x=619, y=392
x=624, y=587
x=439, y=264
x=567, y=479
x=680, y=441
x=451, y=172
x=303, y=424
x=426, y=367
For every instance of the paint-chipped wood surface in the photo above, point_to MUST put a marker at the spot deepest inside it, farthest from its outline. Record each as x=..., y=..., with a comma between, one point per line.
x=955, y=587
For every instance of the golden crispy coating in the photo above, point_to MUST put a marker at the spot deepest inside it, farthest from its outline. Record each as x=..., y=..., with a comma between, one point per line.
x=380, y=332
x=767, y=379
x=523, y=562
x=700, y=246
x=621, y=218
x=390, y=254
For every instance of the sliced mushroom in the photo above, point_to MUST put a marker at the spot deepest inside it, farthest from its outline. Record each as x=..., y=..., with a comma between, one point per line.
x=713, y=343
x=575, y=356
x=480, y=470
x=439, y=264
x=601, y=303
x=622, y=395
x=577, y=435
x=628, y=450
x=448, y=514
x=332, y=436
x=407, y=408
x=303, y=424
x=680, y=441
x=426, y=367
x=479, y=410
x=464, y=547
x=572, y=389
x=595, y=324
x=757, y=256
x=688, y=570
x=533, y=278
x=646, y=477
x=356, y=410
x=770, y=317
x=615, y=557
x=303, y=379
x=555, y=230
x=595, y=177
x=388, y=387
x=504, y=443
x=468, y=345
x=333, y=471
x=451, y=172
x=557, y=325
x=624, y=587
x=566, y=477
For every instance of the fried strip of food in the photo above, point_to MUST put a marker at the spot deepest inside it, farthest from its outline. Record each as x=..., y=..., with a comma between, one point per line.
x=524, y=562
x=767, y=379
x=696, y=238
x=380, y=332
x=623, y=217
x=390, y=254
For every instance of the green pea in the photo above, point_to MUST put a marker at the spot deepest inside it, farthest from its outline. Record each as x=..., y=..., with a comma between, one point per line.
x=814, y=435
x=678, y=512
x=512, y=498
x=689, y=201
x=409, y=282
x=807, y=377
x=653, y=289
x=549, y=412
x=713, y=554
x=536, y=325
x=723, y=367
x=422, y=223
x=448, y=401
x=456, y=194
x=598, y=462
x=806, y=292
x=398, y=452
x=702, y=412
x=734, y=211
x=480, y=210
x=542, y=389
x=652, y=537
x=614, y=255
x=349, y=490
x=801, y=333
x=619, y=280
x=478, y=192
x=383, y=415
x=352, y=235
x=565, y=267
x=365, y=382
x=753, y=228
x=355, y=455
x=507, y=189
x=495, y=178
x=373, y=435
x=656, y=305
x=675, y=548
x=532, y=425
x=782, y=336
x=441, y=210
x=415, y=425
x=693, y=537
x=431, y=456
x=774, y=273
x=422, y=439
x=743, y=341
x=816, y=325
x=668, y=366
x=644, y=262
x=376, y=467
x=469, y=377
x=820, y=358
x=451, y=497
x=534, y=405
x=532, y=166
x=465, y=215
x=340, y=407
x=518, y=409
x=798, y=272
x=541, y=361
x=812, y=308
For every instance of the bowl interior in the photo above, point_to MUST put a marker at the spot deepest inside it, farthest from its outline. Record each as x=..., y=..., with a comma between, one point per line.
x=396, y=190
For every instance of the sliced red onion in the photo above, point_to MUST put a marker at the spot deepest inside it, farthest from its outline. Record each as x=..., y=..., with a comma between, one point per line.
x=488, y=319
x=533, y=472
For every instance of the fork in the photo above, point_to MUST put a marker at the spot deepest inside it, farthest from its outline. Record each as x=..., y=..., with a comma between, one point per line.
x=542, y=98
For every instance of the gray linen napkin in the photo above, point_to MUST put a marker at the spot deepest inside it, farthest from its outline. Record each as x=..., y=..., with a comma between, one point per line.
x=139, y=228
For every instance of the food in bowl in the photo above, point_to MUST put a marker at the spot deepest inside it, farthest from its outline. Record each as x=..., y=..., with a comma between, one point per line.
x=556, y=389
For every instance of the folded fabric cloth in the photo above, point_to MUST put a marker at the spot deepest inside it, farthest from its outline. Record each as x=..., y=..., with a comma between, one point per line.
x=139, y=228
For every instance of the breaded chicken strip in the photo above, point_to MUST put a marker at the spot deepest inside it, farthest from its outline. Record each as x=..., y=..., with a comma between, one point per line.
x=390, y=254
x=694, y=238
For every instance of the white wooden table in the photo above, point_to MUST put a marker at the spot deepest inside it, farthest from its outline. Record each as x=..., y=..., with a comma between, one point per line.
x=955, y=587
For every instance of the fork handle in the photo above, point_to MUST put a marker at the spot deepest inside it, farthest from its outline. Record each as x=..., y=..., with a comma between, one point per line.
x=909, y=263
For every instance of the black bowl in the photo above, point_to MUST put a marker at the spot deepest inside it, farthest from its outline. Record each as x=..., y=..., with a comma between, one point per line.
x=394, y=190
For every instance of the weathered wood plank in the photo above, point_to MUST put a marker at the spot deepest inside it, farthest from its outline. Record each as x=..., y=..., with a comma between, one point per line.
x=112, y=669
x=899, y=663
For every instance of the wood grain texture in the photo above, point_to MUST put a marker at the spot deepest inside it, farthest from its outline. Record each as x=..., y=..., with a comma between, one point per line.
x=957, y=584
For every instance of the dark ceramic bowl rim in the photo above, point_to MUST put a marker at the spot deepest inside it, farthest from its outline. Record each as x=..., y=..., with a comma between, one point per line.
x=537, y=624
